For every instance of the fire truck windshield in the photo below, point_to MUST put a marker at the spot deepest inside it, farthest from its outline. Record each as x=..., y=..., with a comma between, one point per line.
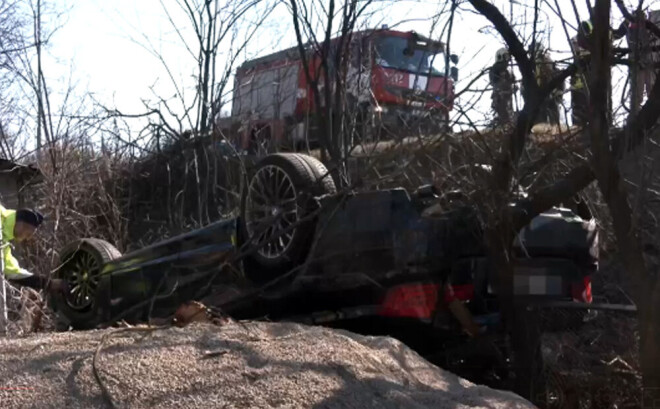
x=392, y=52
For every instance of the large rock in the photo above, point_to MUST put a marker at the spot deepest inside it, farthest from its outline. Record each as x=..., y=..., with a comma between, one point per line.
x=251, y=365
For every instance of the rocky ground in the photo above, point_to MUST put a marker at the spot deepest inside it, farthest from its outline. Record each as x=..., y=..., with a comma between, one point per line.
x=237, y=365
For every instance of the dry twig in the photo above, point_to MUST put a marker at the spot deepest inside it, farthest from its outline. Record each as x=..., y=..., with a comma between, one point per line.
x=95, y=369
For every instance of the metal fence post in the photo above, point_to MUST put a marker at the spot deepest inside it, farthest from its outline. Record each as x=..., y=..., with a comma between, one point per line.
x=3, y=290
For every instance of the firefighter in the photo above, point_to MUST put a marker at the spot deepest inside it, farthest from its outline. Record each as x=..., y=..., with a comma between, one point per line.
x=585, y=43
x=502, y=81
x=460, y=311
x=546, y=70
x=586, y=30
x=639, y=43
x=18, y=226
x=585, y=35
x=579, y=82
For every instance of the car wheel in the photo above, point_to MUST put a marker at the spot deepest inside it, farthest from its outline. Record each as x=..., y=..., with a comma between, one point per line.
x=276, y=210
x=324, y=184
x=80, y=265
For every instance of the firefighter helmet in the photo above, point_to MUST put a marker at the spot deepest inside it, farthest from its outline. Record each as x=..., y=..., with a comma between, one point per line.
x=586, y=27
x=502, y=55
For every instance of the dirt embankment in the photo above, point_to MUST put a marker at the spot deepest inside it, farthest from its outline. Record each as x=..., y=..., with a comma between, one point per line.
x=252, y=365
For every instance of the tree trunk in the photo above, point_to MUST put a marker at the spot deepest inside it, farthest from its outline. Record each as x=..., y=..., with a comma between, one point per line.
x=609, y=178
x=646, y=294
x=649, y=348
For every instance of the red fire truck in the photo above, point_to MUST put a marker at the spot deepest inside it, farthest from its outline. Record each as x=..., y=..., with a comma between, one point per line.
x=395, y=81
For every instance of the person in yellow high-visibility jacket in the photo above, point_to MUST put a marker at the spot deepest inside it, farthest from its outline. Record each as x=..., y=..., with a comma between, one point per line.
x=17, y=226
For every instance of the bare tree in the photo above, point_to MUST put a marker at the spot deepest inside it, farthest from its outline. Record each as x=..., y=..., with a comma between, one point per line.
x=325, y=63
x=29, y=87
x=60, y=137
x=608, y=146
x=214, y=35
x=12, y=42
x=608, y=170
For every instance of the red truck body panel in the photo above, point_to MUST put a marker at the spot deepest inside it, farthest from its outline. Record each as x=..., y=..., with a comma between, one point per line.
x=273, y=98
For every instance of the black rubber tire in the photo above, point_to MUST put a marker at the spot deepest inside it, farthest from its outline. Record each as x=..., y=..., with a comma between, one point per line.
x=310, y=179
x=103, y=252
x=325, y=183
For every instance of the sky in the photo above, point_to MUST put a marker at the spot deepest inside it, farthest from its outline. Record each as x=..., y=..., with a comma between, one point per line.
x=105, y=42
x=106, y=47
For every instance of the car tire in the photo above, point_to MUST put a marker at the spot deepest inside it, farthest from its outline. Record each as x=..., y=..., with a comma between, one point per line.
x=325, y=184
x=276, y=219
x=80, y=265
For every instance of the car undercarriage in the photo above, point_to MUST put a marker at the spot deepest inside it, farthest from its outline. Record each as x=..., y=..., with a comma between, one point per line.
x=374, y=262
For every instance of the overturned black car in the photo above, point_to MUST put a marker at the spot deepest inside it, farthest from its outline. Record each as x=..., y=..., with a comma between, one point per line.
x=372, y=262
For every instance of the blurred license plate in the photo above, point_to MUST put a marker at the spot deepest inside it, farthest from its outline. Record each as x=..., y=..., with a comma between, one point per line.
x=532, y=281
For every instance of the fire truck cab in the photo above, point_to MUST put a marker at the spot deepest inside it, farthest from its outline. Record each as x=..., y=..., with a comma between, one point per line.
x=395, y=82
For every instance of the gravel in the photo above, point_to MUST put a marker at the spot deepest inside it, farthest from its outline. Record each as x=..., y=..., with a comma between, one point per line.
x=238, y=365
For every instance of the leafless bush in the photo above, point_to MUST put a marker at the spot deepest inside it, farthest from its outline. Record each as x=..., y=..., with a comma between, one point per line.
x=79, y=194
x=80, y=197
x=593, y=367
x=27, y=312
x=196, y=180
